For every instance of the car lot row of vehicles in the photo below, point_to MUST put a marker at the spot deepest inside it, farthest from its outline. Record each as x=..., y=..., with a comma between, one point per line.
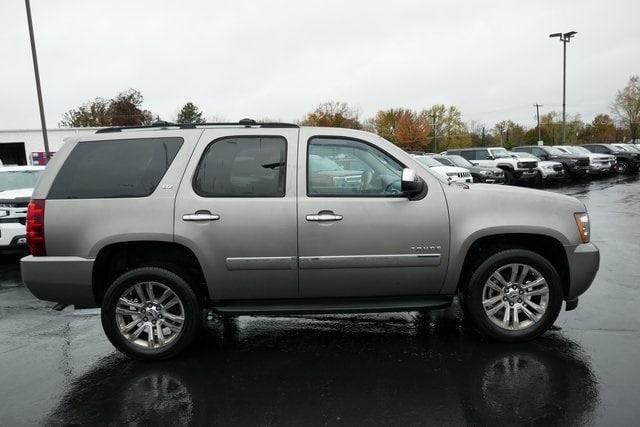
x=532, y=164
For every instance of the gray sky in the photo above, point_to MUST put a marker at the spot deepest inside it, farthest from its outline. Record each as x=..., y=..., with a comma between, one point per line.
x=279, y=59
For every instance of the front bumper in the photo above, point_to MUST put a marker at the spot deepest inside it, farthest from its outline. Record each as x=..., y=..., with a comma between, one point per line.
x=65, y=280
x=12, y=235
x=526, y=174
x=600, y=168
x=551, y=174
x=584, y=261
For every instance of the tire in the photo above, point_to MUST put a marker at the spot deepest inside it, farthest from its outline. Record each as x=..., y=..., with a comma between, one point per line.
x=623, y=167
x=169, y=335
x=509, y=177
x=527, y=328
x=538, y=181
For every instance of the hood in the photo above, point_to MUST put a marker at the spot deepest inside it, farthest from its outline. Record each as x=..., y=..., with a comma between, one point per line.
x=448, y=169
x=21, y=193
x=511, y=194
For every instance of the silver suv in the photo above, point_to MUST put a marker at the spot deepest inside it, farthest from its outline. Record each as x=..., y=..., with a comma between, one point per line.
x=158, y=225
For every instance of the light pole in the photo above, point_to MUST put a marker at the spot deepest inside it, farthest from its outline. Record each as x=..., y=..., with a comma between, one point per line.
x=564, y=38
x=37, y=74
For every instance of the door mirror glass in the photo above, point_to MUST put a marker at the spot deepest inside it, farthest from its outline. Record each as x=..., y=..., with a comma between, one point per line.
x=411, y=184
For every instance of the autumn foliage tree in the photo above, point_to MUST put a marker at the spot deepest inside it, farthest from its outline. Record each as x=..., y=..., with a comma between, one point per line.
x=403, y=127
x=626, y=107
x=125, y=109
x=333, y=114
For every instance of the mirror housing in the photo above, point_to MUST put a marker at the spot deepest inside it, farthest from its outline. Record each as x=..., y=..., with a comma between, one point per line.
x=474, y=162
x=411, y=184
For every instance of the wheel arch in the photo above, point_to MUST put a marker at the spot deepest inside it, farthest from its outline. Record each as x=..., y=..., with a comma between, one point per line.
x=479, y=248
x=117, y=258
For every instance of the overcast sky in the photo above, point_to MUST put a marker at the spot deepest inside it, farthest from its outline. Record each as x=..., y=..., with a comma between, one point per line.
x=279, y=59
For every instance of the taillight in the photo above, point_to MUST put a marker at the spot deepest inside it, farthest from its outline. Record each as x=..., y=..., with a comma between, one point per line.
x=35, y=228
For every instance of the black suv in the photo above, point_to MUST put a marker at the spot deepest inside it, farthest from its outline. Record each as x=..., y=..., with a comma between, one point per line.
x=627, y=162
x=575, y=165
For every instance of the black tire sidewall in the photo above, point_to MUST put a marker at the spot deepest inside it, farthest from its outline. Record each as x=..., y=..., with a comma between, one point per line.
x=177, y=284
x=509, y=177
x=473, y=294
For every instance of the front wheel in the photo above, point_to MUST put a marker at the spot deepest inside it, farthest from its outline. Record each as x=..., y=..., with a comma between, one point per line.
x=150, y=313
x=509, y=177
x=623, y=167
x=515, y=295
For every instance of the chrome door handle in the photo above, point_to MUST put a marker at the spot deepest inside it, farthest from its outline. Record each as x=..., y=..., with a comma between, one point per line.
x=323, y=217
x=201, y=216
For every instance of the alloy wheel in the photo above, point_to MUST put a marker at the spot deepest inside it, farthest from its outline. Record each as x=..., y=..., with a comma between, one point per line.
x=515, y=297
x=150, y=315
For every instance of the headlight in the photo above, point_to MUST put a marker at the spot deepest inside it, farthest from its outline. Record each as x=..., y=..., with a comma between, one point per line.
x=485, y=172
x=582, y=221
x=548, y=166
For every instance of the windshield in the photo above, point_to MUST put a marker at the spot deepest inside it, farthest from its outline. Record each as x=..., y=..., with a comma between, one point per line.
x=555, y=151
x=578, y=150
x=15, y=180
x=499, y=153
x=444, y=160
x=427, y=161
x=460, y=161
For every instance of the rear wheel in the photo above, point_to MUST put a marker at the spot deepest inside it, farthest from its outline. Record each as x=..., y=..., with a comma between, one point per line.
x=515, y=295
x=151, y=313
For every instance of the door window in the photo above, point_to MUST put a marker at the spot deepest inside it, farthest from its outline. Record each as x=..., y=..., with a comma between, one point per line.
x=350, y=168
x=245, y=166
x=469, y=154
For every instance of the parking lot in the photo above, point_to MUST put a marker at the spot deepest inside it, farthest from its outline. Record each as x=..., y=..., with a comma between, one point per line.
x=57, y=367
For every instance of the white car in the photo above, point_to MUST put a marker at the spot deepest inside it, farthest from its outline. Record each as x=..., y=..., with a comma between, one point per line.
x=548, y=170
x=16, y=186
x=452, y=173
x=598, y=163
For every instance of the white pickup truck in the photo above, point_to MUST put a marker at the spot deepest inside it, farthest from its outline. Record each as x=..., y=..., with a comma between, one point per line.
x=16, y=186
x=498, y=157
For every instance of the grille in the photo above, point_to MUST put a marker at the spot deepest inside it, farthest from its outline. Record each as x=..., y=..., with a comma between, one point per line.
x=527, y=164
x=583, y=162
x=14, y=204
x=464, y=174
x=557, y=167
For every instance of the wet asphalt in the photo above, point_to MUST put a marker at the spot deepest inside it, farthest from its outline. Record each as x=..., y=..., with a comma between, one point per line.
x=57, y=367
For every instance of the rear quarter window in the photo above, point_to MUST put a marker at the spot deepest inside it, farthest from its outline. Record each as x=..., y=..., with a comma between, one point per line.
x=114, y=168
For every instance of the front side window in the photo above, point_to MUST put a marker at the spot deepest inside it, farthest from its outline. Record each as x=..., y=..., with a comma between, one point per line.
x=469, y=155
x=345, y=167
x=244, y=166
x=114, y=168
x=499, y=153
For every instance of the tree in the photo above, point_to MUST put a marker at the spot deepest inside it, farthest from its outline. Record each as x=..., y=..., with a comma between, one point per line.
x=91, y=114
x=602, y=129
x=626, y=107
x=122, y=110
x=402, y=127
x=333, y=114
x=448, y=129
x=509, y=134
x=190, y=113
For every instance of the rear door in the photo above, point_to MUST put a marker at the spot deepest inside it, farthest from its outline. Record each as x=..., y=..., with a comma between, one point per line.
x=358, y=236
x=236, y=209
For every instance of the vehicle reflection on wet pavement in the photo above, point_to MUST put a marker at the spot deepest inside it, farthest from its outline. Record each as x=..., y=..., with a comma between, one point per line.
x=398, y=368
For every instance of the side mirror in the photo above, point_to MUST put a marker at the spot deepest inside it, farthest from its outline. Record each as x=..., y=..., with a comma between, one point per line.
x=490, y=157
x=411, y=184
x=474, y=163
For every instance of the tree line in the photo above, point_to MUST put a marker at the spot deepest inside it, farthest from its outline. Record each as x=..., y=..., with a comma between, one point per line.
x=435, y=128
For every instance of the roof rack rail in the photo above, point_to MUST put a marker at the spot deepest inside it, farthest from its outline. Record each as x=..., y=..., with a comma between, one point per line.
x=163, y=125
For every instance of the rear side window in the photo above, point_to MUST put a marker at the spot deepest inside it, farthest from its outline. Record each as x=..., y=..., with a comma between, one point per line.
x=114, y=168
x=246, y=166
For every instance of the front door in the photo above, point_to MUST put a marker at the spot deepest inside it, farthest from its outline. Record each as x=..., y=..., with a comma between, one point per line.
x=236, y=209
x=358, y=235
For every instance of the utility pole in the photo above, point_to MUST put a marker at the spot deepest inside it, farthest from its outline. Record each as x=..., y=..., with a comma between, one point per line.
x=538, y=117
x=564, y=38
x=38, y=88
x=482, y=144
x=433, y=126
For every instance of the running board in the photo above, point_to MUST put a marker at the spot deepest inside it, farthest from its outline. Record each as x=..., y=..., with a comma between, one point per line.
x=330, y=305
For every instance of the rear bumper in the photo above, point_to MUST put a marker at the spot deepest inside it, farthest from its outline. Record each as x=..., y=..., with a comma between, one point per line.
x=65, y=280
x=584, y=261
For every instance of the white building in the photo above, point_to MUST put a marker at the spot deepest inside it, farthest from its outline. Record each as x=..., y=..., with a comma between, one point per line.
x=26, y=146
